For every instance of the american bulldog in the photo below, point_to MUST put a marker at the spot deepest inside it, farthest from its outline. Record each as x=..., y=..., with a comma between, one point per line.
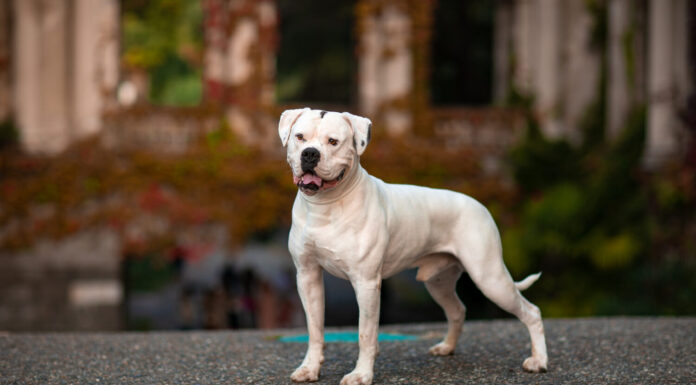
x=359, y=228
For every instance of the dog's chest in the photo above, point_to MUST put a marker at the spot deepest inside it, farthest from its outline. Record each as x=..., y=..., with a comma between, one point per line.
x=330, y=237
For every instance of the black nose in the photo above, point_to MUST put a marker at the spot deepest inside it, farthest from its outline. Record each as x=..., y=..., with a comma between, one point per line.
x=310, y=157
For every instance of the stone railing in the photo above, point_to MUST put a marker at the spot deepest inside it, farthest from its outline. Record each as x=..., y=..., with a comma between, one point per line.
x=161, y=129
x=488, y=132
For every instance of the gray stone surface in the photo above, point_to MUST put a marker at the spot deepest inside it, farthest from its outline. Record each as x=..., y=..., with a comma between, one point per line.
x=596, y=350
x=36, y=284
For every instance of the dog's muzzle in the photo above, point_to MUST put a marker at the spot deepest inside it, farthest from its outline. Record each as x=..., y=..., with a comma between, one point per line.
x=310, y=182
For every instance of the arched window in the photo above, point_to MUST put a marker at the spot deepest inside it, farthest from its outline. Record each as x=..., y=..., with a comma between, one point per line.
x=316, y=59
x=462, y=52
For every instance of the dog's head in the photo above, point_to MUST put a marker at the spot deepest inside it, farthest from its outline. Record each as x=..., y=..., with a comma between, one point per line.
x=322, y=147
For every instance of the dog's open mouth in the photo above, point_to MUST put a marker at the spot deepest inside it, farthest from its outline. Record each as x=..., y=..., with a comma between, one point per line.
x=310, y=182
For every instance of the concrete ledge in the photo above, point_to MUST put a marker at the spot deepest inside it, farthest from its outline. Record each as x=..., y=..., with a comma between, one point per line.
x=595, y=350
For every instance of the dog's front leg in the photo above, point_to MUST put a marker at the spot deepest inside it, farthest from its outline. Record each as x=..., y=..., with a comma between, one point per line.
x=310, y=285
x=367, y=293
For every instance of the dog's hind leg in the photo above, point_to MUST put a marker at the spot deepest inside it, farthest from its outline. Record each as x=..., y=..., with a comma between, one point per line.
x=530, y=315
x=442, y=288
x=485, y=267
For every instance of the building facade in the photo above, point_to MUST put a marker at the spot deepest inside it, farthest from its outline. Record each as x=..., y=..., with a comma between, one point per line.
x=60, y=79
x=59, y=65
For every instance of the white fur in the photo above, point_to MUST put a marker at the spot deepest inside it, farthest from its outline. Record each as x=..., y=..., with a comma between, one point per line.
x=365, y=230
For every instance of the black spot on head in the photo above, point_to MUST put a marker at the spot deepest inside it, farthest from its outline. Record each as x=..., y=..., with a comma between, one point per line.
x=362, y=143
x=322, y=113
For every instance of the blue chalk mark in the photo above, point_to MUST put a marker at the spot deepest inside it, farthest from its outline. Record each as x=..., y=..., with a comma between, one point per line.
x=348, y=337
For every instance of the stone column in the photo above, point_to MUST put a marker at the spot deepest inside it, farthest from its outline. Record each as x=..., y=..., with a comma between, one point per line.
x=66, y=64
x=385, y=64
x=5, y=64
x=538, y=42
x=396, y=72
x=667, y=45
x=581, y=69
x=526, y=45
x=215, y=38
x=620, y=84
x=53, y=73
x=394, y=40
x=683, y=75
x=370, y=47
x=41, y=86
x=26, y=69
x=502, y=46
x=549, y=66
x=240, y=43
x=239, y=64
x=96, y=57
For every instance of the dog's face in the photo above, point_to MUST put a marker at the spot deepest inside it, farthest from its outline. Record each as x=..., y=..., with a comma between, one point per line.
x=322, y=147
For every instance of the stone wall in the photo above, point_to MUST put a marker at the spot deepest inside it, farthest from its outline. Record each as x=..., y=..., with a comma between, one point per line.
x=71, y=284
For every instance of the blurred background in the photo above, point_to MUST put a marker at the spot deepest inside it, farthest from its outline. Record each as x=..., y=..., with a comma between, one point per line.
x=142, y=184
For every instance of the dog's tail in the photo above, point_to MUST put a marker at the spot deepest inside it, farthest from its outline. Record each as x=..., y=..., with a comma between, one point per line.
x=527, y=282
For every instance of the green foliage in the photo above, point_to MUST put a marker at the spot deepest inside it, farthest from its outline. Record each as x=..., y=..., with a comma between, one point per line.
x=615, y=252
x=586, y=220
x=540, y=162
x=8, y=134
x=184, y=89
x=148, y=273
x=164, y=38
x=217, y=179
x=600, y=30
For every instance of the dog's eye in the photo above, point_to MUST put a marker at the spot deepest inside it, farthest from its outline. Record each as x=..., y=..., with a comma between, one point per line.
x=333, y=141
x=299, y=137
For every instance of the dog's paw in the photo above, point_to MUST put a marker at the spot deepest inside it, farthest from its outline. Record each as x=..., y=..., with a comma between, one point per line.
x=441, y=349
x=305, y=374
x=534, y=365
x=357, y=378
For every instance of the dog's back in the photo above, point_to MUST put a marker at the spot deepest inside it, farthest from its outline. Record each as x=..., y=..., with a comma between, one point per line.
x=423, y=221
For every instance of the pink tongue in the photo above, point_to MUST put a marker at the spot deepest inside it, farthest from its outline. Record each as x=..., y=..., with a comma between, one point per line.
x=311, y=178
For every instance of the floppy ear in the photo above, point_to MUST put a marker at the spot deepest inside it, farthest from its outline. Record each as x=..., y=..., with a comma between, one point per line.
x=287, y=119
x=362, y=128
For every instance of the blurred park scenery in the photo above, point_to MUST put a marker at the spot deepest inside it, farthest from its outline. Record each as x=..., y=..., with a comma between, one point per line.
x=142, y=184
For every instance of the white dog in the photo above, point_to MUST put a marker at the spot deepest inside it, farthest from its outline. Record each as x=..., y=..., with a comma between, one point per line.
x=361, y=229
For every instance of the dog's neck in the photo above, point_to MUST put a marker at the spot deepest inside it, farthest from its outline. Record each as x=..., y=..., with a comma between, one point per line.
x=353, y=178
